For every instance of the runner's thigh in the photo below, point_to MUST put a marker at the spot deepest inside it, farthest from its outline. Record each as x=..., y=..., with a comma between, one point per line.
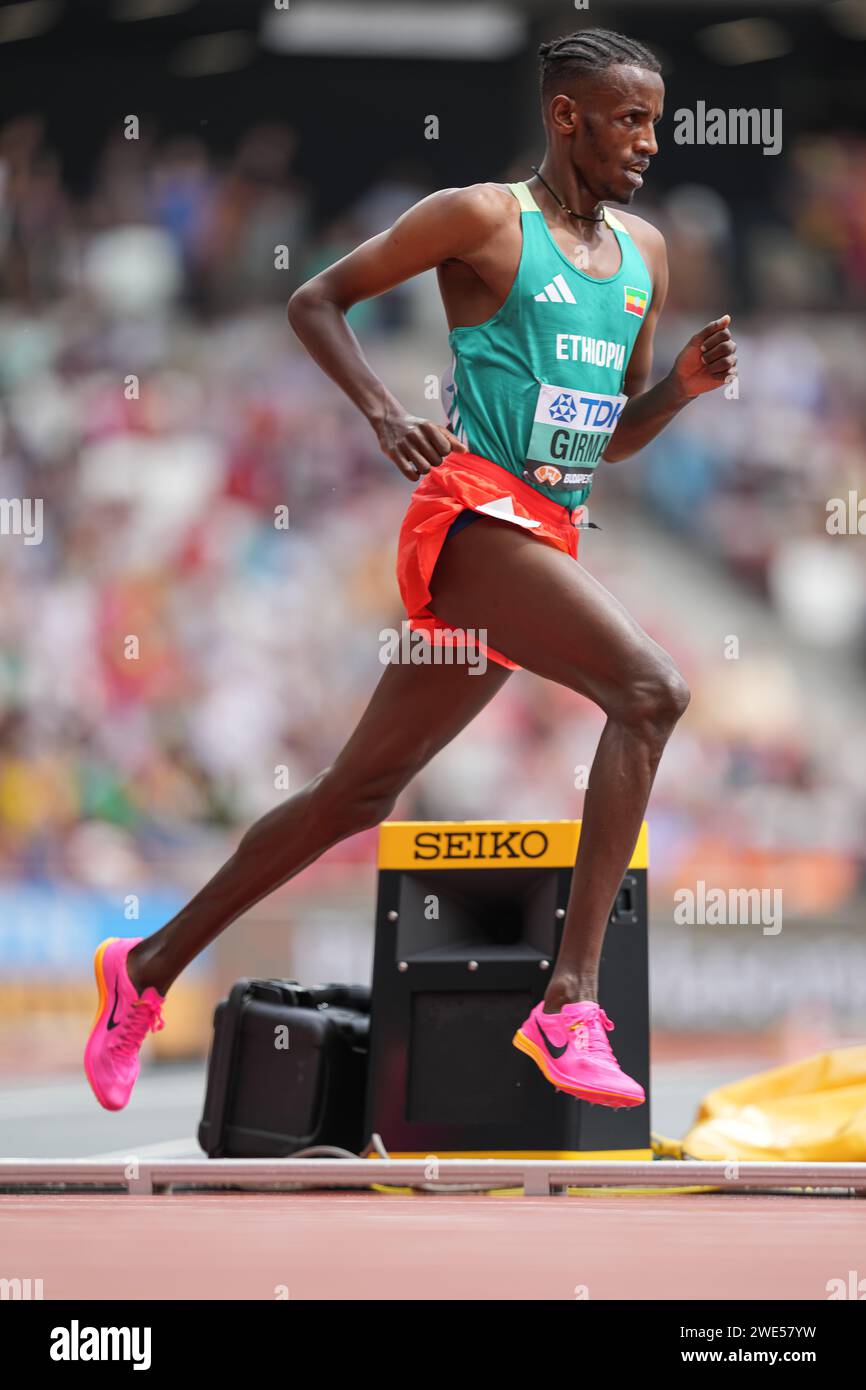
x=544, y=611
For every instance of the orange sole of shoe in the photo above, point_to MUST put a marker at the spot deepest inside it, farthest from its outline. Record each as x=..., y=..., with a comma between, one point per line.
x=99, y=973
x=608, y=1098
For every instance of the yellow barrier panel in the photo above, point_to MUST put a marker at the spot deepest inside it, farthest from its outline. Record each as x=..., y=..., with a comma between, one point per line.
x=487, y=844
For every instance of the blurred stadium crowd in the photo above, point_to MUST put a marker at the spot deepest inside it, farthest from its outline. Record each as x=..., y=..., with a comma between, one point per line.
x=153, y=395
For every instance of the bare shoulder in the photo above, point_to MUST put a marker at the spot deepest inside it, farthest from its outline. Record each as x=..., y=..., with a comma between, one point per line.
x=485, y=201
x=646, y=237
x=476, y=211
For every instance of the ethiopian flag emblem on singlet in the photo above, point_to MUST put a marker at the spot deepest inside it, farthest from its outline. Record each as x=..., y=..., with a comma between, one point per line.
x=635, y=301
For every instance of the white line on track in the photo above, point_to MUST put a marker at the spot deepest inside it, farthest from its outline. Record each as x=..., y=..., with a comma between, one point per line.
x=167, y=1148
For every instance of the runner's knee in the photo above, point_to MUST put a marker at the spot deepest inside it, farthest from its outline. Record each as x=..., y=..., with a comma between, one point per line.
x=358, y=799
x=368, y=804
x=652, y=700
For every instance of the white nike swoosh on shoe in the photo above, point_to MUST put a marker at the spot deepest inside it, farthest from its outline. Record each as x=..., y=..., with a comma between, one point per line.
x=503, y=509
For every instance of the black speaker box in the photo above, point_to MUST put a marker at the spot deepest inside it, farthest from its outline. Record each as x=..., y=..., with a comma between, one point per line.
x=468, y=922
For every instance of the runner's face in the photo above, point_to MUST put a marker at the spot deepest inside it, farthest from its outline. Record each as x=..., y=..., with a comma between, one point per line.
x=614, y=135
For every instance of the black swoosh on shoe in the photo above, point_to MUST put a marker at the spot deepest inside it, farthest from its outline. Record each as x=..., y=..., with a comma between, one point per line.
x=551, y=1047
x=110, y=1024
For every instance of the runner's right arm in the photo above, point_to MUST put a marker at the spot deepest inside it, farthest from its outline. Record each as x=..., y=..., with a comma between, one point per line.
x=446, y=225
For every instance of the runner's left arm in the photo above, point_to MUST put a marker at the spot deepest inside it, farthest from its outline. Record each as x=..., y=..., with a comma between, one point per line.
x=706, y=362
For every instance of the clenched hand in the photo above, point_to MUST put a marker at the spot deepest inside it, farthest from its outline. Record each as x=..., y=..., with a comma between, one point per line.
x=416, y=445
x=707, y=360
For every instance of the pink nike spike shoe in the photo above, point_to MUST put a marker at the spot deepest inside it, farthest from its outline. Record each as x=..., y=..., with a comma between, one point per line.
x=572, y=1050
x=123, y=1019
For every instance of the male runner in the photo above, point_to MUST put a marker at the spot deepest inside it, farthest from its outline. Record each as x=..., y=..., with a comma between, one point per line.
x=552, y=302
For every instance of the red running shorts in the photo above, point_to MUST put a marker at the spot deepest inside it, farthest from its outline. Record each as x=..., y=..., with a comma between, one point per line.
x=467, y=481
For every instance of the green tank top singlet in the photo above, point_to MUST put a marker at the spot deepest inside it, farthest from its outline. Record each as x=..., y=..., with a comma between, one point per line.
x=538, y=387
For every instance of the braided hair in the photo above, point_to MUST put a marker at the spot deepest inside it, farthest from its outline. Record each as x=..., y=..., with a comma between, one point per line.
x=587, y=53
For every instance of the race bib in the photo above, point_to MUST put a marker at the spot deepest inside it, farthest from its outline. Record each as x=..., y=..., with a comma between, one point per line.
x=570, y=431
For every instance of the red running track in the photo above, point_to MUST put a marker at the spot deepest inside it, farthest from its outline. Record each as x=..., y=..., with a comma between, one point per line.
x=366, y=1246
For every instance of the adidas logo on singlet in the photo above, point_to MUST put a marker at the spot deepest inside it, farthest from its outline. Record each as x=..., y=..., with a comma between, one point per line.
x=556, y=292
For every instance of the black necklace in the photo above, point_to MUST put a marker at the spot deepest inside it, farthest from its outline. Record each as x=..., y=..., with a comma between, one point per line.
x=582, y=215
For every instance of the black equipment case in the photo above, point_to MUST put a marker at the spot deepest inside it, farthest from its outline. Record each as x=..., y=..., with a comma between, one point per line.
x=287, y=1070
